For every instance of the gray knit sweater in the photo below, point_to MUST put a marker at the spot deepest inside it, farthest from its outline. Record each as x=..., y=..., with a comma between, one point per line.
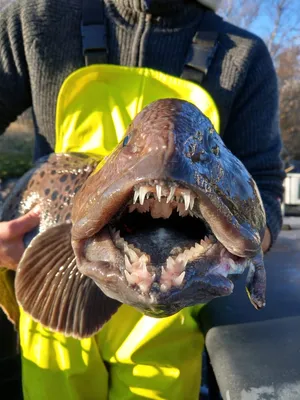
x=40, y=45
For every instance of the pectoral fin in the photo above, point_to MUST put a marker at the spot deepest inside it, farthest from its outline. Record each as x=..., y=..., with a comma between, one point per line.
x=50, y=288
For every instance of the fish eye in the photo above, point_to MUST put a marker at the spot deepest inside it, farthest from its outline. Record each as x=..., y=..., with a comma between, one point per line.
x=126, y=140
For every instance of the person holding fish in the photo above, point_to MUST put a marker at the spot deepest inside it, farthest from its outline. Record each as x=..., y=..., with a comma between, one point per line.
x=176, y=183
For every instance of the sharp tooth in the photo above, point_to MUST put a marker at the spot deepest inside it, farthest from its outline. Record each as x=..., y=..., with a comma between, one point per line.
x=144, y=270
x=132, y=254
x=144, y=258
x=188, y=253
x=135, y=267
x=178, y=281
x=128, y=265
x=170, y=264
x=130, y=279
x=158, y=192
x=130, y=251
x=180, y=258
x=143, y=192
x=199, y=248
x=203, y=243
x=171, y=194
x=186, y=197
x=180, y=263
x=192, y=200
x=144, y=286
x=136, y=195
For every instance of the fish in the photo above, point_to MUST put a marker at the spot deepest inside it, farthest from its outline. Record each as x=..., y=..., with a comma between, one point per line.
x=162, y=223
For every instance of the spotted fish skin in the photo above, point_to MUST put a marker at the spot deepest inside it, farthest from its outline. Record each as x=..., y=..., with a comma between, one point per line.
x=52, y=184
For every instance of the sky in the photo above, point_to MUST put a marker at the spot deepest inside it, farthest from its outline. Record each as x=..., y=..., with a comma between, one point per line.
x=264, y=23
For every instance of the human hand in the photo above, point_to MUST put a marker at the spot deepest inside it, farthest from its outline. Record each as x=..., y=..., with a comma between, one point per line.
x=11, y=237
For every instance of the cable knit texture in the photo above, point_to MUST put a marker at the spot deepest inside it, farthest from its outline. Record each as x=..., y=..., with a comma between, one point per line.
x=40, y=45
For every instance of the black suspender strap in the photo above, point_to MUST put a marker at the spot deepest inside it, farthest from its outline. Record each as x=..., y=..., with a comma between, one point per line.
x=203, y=48
x=93, y=32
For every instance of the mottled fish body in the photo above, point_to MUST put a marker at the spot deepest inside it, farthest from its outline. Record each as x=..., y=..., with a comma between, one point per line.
x=160, y=226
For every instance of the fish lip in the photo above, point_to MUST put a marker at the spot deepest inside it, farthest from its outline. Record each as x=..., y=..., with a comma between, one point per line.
x=167, y=304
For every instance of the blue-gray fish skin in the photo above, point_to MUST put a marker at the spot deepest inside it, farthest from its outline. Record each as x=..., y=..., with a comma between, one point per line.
x=160, y=226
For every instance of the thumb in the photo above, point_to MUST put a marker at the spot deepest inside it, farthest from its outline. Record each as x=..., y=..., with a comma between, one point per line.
x=26, y=223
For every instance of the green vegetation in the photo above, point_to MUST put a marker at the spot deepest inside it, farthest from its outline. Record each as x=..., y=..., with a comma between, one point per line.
x=16, y=150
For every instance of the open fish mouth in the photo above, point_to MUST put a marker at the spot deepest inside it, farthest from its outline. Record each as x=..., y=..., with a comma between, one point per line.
x=171, y=257
x=161, y=218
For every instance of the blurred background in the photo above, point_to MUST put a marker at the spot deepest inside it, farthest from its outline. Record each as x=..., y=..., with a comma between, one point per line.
x=277, y=22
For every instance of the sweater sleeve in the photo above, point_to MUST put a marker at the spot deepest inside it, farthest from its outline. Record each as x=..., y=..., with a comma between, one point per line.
x=15, y=94
x=253, y=134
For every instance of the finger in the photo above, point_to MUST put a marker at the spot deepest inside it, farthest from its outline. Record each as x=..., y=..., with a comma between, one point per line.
x=26, y=223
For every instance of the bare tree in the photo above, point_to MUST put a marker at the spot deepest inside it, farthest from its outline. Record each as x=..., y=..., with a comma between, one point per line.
x=290, y=117
x=242, y=13
x=285, y=22
x=288, y=64
x=277, y=21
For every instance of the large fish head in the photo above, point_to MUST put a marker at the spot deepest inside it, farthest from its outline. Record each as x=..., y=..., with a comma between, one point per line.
x=171, y=213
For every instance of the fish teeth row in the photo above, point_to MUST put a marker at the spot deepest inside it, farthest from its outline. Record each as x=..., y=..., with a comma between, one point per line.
x=137, y=274
x=170, y=193
x=173, y=273
x=132, y=252
x=135, y=271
